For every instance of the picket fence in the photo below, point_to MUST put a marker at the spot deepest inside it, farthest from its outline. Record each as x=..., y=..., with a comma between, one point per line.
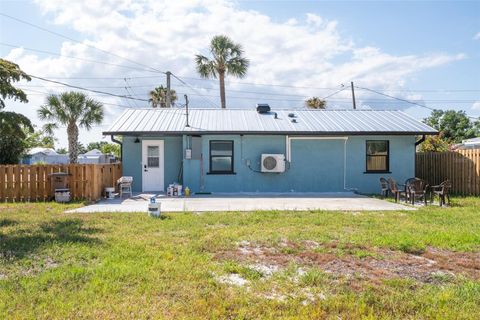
x=20, y=183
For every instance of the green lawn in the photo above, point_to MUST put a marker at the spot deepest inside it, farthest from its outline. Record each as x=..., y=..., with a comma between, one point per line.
x=340, y=265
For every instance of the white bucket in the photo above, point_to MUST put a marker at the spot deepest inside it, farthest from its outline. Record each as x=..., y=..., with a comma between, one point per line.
x=154, y=209
x=110, y=192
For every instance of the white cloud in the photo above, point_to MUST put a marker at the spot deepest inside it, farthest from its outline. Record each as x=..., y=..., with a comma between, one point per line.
x=476, y=105
x=477, y=36
x=314, y=19
x=167, y=35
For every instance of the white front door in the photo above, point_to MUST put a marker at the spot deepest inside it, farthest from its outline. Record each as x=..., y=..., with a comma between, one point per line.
x=152, y=165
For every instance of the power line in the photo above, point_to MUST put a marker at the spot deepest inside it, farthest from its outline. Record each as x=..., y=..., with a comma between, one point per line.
x=73, y=57
x=127, y=88
x=264, y=84
x=74, y=40
x=195, y=90
x=86, y=89
x=182, y=85
x=303, y=97
x=43, y=93
x=435, y=90
x=396, y=98
x=253, y=92
x=338, y=91
x=403, y=100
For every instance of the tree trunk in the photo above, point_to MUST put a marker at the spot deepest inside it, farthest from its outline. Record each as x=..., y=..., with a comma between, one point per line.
x=72, y=132
x=222, y=88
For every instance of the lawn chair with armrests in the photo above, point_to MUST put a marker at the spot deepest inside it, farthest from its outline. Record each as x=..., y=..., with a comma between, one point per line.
x=442, y=191
x=397, y=193
x=384, y=187
x=418, y=189
x=407, y=184
x=125, y=185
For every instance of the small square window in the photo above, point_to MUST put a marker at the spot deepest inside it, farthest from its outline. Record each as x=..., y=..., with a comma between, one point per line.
x=221, y=156
x=378, y=155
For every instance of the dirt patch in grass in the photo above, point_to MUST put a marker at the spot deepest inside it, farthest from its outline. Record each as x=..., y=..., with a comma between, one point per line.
x=373, y=264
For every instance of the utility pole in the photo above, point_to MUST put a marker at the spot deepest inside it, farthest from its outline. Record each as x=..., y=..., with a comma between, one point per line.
x=186, y=107
x=353, y=96
x=169, y=97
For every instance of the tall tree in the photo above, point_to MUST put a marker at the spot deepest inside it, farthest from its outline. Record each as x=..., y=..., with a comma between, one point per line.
x=105, y=147
x=226, y=59
x=315, y=103
x=158, y=97
x=9, y=73
x=39, y=138
x=96, y=145
x=13, y=126
x=62, y=151
x=454, y=126
x=434, y=144
x=73, y=110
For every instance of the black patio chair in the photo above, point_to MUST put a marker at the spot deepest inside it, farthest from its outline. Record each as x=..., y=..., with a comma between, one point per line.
x=442, y=191
x=418, y=188
x=407, y=184
x=384, y=187
x=397, y=193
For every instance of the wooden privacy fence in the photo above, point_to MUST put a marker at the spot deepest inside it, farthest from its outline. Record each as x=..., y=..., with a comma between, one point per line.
x=33, y=182
x=461, y=167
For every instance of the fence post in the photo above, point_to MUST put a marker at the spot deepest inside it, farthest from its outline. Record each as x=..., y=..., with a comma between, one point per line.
x=2, y=183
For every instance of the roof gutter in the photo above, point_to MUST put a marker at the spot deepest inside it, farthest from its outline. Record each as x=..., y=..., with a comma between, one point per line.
x=292, y=133
x=112, y=137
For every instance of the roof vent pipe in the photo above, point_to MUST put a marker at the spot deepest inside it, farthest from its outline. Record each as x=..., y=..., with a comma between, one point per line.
x=263, y=108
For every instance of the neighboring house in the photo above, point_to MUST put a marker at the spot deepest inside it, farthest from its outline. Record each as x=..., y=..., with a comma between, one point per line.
x=232, y=150
x=50, y=156
x=44, y=155
x=473, y=143
x=95, y=156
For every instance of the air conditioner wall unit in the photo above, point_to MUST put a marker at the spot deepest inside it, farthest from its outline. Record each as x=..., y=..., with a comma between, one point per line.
x=273, y=163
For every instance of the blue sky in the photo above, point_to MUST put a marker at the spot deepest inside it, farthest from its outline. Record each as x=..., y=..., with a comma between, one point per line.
x=403, y=27
x=399, y=48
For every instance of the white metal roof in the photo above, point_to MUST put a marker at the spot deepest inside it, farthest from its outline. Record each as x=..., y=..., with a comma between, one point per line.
x=471, y=142
x=249, y=121
x=46, y=151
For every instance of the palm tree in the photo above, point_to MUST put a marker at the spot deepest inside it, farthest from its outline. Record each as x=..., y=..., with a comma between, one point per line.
x=315, y=103
x=226, y=59
x=71, y=109
x=158, y=97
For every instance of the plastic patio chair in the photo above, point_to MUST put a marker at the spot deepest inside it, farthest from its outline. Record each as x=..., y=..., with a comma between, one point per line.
x=442, y=191
x=125, y=185
x=418, y=189
x=384, y=187
x=397, y=193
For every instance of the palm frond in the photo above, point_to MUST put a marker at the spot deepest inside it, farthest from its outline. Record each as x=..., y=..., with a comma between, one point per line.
x=237, y=67
x=205, y=67
x=50, y=127
x=92, y=113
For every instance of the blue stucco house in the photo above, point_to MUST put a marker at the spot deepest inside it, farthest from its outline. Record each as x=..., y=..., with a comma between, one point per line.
x=257, y=150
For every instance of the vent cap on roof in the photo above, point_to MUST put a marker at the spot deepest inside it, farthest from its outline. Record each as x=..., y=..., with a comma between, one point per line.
x=263, y=108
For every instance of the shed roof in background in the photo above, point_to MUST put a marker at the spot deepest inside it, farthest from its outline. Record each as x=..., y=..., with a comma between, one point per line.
x=248, y=121
x=46, y=151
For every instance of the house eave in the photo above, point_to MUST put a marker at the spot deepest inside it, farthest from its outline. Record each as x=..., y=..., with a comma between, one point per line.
x=293, y=133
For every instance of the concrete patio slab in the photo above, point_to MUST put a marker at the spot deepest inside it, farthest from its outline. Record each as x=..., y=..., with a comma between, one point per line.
x=246, y=202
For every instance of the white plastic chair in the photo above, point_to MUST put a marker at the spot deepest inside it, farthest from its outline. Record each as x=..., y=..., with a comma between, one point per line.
x=125, y=185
